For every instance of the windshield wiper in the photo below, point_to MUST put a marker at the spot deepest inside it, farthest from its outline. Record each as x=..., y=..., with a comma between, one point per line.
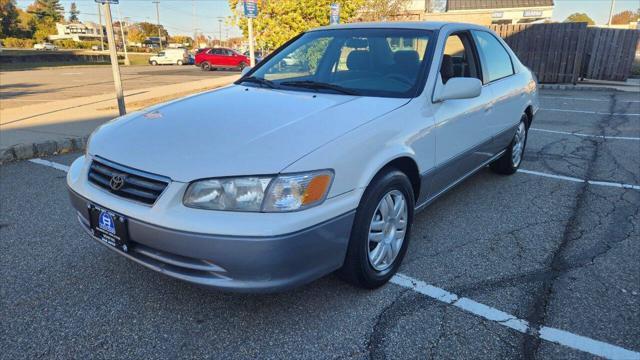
x=319, y=85
x=260, y=81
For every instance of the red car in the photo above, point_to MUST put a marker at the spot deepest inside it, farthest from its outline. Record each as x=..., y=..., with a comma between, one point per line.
x=217, y=58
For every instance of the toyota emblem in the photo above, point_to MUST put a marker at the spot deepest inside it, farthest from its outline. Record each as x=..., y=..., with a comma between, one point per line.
x=116, y=182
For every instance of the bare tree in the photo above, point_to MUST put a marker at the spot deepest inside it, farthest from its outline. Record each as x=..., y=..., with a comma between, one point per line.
x=382, y=10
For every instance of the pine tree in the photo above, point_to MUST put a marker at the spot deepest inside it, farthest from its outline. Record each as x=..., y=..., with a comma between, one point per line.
x=73, y=12
x=50, y=9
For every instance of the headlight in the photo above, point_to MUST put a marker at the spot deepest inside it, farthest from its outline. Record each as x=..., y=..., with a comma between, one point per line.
x=279, y=194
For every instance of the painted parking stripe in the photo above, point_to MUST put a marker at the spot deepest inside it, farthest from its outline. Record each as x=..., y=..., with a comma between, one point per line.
x=573, y=341
x=52, y=164
x=590, y=112
x=587, y=99
x=574, y=179
x=605, y=137
x=558, y=336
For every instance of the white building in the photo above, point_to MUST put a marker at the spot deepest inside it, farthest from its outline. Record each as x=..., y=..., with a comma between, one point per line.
x=78, y=31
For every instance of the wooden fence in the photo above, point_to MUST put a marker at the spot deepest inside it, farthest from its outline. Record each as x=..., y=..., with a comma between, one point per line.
x=609, y=54
x=566, y=52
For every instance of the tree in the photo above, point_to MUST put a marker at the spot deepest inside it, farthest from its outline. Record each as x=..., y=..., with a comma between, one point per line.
x=580, y=17
x=625, y=17
x=381, y=10
x=9, y=21
x=279, y=21
x=73, y=13
x=47, y=9
x=181, y=39
x=151, y=30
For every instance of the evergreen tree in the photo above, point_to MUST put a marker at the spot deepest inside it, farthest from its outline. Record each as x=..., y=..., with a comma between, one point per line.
x=73, y=13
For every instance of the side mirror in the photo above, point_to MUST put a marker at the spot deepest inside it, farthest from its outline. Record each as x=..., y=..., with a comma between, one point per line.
x=245, y=70
x=460, y=88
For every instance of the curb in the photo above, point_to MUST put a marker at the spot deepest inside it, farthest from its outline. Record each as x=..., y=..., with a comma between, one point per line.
x=46, y=148
x=581, y=87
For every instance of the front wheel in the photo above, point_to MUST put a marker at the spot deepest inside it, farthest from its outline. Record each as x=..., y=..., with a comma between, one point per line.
x=179, y=62
x=510, y=161
x=380, y=233
x=154, y=63
x=205, y=66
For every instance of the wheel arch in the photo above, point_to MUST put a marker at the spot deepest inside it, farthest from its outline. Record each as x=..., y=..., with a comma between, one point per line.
x=408, y=166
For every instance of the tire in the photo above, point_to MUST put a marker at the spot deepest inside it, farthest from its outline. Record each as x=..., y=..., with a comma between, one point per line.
x=179, y=62
x=205, y=66
x=360, y=266
x=154, y=63
x=510, y=161
x=242, y=66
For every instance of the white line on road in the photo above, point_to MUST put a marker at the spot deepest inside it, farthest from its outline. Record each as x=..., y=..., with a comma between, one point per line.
x=52, y=164
x=606, y=137
x=592, y=182
x=590, y=112
x=586, y=99
x=558, y=336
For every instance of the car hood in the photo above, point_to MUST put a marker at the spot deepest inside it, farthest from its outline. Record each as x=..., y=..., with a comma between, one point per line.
x=232, y=131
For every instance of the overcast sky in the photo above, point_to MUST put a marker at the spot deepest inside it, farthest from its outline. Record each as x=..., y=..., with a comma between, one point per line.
x=177, y=15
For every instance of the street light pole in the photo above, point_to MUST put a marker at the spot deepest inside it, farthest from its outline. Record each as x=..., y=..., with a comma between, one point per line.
x=613, y=5
x=115, y=67
x=101, y=31
x=124, y=39
x=220, y=31
x=157, y=2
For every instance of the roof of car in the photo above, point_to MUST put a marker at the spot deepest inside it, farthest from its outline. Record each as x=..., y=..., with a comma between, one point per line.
x=423, y=25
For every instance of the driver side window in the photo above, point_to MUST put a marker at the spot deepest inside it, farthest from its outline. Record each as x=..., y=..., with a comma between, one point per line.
x=459, y=59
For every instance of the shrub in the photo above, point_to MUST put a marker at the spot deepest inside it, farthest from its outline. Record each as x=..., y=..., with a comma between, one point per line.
x=66, y=44
x=11, y=42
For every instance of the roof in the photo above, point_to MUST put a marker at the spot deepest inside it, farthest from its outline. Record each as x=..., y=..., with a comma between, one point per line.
x=453, y=5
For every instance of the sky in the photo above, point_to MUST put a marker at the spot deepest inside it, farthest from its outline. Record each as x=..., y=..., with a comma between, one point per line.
x=177, y=15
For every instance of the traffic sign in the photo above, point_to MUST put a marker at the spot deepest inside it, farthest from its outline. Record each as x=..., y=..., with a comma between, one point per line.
x=334, y=17
x=250, y=9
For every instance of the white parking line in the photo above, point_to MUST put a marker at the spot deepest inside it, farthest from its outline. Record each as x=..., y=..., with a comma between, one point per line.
x=558, y=336
x=52, y=164
x=590, y=112
x=592, y=182
x=605, y=137
x=587, y=99
x=576, y=342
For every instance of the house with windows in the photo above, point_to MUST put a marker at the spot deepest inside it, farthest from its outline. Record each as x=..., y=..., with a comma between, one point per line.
x=78, y=31
x=483, y=12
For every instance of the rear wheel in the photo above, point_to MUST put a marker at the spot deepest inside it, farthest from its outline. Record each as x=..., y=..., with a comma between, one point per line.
x=179, y=62
x=205, y=66
x=154, y=63
x=380, y=233
x=510, y=161
x=242, y=65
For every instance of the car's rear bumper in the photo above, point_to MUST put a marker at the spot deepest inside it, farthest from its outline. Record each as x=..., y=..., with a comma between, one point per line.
x=235, y=263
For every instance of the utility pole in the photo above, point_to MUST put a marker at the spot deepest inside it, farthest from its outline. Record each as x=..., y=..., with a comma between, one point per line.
x=220, y=31
x=115, y=67
x=101, y=30
x=124, y=39
x=157, y=2
x=613, y=5
x=195, y=23
x=252, y=57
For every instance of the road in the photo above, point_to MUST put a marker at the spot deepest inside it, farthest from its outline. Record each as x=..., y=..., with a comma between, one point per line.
x=23, y=88
x=542, y=246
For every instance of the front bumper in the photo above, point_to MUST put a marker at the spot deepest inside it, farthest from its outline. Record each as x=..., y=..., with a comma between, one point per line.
x=235, y=263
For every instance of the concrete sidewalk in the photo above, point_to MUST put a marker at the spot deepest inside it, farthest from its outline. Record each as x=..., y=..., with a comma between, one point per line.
x=63, y=126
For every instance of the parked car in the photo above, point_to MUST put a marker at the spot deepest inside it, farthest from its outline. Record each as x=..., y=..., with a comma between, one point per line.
x=45, y=46
x=330, y=174
x=258, y=54
x=170, y=57
x=95, y=48
x=221, y=58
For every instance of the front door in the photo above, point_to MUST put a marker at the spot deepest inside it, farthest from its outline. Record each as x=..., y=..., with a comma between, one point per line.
x=463, y=137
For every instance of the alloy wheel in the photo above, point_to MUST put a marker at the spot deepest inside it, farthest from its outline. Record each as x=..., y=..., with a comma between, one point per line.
x=518, y=145
x=387, y=230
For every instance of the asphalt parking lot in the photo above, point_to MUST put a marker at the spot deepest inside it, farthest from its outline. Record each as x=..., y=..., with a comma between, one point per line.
x=499, y=268
x=23, y=88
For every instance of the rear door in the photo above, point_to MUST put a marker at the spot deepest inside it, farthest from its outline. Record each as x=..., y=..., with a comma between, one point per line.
x=462, y=131
x=500, y=78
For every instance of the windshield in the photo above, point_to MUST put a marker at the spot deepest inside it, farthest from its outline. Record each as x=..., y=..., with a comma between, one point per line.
x=367, y=62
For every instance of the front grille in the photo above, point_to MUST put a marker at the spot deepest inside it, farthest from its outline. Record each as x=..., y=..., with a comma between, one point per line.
x=135, y=185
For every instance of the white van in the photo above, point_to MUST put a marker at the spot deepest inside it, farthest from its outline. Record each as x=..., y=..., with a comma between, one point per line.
x=170, y=56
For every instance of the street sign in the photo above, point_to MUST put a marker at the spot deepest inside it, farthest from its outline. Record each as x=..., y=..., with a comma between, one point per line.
x=250, y=9
x=334, y=17
x=115, y=2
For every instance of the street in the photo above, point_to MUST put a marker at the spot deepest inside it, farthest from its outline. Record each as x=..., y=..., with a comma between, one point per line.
x=501, y=267
x=23, y=88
